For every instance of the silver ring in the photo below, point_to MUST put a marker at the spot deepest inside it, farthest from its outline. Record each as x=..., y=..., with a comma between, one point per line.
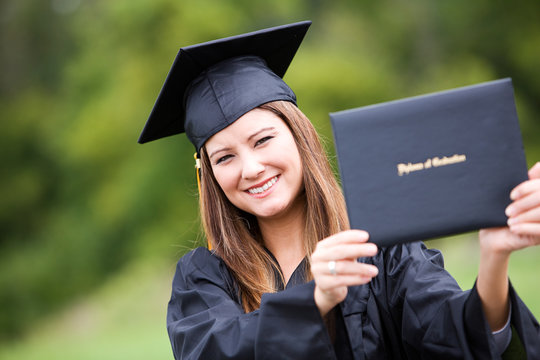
x=332, y=267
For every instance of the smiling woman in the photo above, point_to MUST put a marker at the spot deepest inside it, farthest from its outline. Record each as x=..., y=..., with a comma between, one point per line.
x=285, y=277
x=245, y=219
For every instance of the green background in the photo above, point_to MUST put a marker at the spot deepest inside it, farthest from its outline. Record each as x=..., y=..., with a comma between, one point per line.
x=92, y=223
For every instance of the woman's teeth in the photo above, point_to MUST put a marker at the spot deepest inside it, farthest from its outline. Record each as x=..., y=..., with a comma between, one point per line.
x=265, y=187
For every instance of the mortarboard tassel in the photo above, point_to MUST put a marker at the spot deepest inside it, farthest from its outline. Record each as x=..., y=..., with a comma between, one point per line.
x=198, y=172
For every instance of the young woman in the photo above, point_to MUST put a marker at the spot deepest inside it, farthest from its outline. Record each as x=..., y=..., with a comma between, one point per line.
x=283, y=278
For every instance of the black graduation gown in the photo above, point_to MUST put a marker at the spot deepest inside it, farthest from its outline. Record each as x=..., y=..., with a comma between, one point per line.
x=412, y=310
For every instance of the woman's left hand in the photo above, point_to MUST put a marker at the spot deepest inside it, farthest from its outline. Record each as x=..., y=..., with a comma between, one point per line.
x=523, y=219
x=497, y=244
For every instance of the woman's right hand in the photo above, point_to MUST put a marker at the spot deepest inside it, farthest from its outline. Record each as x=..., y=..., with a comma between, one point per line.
x=343, y=249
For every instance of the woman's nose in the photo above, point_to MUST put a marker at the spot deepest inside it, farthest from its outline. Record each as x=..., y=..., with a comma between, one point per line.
x=251, y=167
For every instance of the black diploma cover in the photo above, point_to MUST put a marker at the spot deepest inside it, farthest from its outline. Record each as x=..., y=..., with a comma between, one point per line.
x=431, y=165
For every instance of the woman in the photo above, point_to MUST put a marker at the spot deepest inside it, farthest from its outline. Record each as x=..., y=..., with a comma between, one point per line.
x=282, y=279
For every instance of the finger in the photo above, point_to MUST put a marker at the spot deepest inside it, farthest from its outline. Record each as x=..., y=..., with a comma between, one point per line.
x=525, y=188
x=534, y=172
x=529, y=216
x=346, y=268
x=344, y=237
x=344, y=252
x=530, y=229
x=328, y=283
x=523, y=204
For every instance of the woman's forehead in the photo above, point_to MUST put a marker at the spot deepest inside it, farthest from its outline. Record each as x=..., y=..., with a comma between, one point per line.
x=254, y=122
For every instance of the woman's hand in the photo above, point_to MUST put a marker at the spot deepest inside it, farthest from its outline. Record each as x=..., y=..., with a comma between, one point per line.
x=334, y=266
x=496, y=245
x=523, y=219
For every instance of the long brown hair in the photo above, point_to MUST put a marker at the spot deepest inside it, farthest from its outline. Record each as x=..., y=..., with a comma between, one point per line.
x=234, y=234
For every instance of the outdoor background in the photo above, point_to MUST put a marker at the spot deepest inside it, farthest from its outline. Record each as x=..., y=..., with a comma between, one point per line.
x=92, y=223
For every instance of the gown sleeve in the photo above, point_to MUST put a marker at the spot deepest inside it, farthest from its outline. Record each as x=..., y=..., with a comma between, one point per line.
x=435, y=317
x=206, y=321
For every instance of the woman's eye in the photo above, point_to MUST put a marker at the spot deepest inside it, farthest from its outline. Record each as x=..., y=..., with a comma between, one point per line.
x=223, y=158
x=263, y=140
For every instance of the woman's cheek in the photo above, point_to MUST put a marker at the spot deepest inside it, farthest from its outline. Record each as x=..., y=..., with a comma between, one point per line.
x=226, y=180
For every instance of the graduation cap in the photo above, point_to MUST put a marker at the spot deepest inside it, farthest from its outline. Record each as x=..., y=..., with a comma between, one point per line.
x=211, y=85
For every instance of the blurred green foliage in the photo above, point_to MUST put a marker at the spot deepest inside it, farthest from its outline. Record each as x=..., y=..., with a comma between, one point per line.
x=81, y=200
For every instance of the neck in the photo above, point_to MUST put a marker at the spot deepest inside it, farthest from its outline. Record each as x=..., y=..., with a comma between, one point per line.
x=283, y=237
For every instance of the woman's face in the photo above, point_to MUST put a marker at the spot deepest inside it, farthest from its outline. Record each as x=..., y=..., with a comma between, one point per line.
x=257, y=164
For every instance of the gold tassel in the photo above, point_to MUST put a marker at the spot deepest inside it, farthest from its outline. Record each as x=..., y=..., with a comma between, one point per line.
x=198, y=172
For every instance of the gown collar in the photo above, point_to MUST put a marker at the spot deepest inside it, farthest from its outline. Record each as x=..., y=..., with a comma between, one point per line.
x=298, y=276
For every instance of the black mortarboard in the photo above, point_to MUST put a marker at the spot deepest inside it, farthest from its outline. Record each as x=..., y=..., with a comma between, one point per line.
x=211, y=85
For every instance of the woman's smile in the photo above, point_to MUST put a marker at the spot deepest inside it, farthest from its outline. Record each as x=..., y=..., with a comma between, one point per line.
x=260, y=191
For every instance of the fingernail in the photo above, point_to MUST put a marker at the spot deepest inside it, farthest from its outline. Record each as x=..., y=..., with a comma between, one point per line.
x=374, y=248
x=363, y=234
x=511, y=221
x=513, y=195
x=515, y=228
x=373, y=271
x=509, y=211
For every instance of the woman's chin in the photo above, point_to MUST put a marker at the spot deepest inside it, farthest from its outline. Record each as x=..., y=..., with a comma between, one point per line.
x=276, y=212
x=268, y=214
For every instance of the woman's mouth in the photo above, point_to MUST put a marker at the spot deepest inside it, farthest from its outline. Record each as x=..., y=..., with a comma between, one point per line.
x=260, y=189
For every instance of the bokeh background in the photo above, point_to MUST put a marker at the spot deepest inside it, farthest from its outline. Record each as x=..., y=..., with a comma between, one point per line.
x=92, y=223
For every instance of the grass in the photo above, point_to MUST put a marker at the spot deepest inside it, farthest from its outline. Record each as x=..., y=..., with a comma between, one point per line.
x=125, y=318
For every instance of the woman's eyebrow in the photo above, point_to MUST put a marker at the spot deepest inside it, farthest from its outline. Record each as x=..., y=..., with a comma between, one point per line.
x=260, y=131
x=218, y=151
x=248, y=139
